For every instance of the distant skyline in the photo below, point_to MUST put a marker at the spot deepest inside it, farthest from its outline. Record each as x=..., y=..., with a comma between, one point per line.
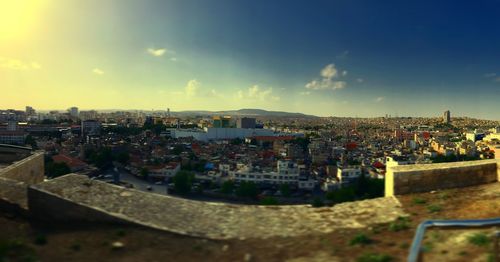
x=325, y=58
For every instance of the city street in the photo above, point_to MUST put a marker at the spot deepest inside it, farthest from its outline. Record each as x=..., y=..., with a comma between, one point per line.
x=139, y=184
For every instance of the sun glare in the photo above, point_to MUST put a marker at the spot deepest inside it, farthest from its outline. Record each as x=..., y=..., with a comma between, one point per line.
x=18, y=17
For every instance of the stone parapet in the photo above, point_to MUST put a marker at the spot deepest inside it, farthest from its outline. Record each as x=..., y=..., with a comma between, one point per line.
x=75, y=198
x=29, y=170
x=407, y=179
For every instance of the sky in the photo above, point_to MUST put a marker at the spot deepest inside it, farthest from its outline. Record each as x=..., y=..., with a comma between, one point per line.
x=327, y=58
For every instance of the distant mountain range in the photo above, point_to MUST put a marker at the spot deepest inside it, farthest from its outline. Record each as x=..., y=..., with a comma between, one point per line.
x=244, y=112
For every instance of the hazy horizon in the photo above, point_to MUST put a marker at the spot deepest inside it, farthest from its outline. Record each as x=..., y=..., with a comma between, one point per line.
x=284, y=111
x=324, y=58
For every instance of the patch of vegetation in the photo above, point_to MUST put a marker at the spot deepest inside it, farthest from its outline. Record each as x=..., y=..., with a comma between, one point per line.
x=227, y=187
x=444, y=196
x=427, y=247
x=197, y=247
x=404, y=245
x=436, y=235
x=285, y=190
x=317, y=202
x=377, y=229
x=434, y=208
x=183, y=182
x=373, y=257
x=16, y=250
x=360, y=239
x=364, y=188
x=269, y=201
x=247, y=189
x=402, y=223
x=120, y=232
x=53, y=170
x=75, y=247
x=479, y=239
x=40, y=239
x=419, y=201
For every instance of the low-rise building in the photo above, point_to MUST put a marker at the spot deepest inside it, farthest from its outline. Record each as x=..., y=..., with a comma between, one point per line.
x=348, y=174
x=288, y=173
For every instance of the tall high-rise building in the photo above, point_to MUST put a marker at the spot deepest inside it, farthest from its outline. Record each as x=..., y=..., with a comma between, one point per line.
x=446, y=117
x=73, y=111
x=245, y=122
x=30, y=111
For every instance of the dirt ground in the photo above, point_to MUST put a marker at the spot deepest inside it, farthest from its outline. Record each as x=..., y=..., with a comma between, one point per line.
x=22, y=241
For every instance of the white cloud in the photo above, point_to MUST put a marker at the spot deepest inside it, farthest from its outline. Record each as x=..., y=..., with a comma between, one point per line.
x=98, y=71
x=306, y=93
x=329, y=75
x=157, y=52
x=173, y=59
x=329, y=71
x=255, y=92
x=16, y=64
x=192, y=87
x=489, y=75
x=360, y=80
x=379, y=99
x=214, y=93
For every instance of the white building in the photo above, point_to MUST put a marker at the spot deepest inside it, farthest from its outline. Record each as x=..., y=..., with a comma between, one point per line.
x=214, y=133
x=288, y=173
x=91, y=127
x=167, y=171
x=330, y=185
x=397, y=161
x=307, y=184
x=348, y=174
x=492, y=137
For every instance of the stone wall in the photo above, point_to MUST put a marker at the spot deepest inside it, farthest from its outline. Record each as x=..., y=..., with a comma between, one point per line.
x=407, y=179
x=76, y=199
x=29, y=170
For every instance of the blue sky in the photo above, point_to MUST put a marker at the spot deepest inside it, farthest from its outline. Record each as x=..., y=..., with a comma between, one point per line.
x=342, y=58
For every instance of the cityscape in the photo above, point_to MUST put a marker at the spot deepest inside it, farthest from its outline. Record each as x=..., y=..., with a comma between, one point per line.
x=248, y=131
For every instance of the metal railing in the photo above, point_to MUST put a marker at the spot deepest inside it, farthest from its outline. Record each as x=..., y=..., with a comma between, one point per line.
x=415, y=248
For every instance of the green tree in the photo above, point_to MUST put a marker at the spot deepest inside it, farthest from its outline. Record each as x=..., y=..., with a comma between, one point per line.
x=342, y=195
x=183, y=182
x=317, y=202
x=247, y=189
x=177, y=150
x=227, y=187
x=101, y=158
x=31, y=141
x=269, y=201
x=53, y=170
x=285, y=190
x=144, y=173
x=122, y=157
